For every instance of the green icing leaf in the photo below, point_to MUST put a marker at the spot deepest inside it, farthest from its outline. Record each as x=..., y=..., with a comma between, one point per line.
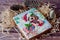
x=28, y=25
x=32, y=14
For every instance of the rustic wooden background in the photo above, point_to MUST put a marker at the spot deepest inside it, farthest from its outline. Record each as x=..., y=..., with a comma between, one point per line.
x=4, y=4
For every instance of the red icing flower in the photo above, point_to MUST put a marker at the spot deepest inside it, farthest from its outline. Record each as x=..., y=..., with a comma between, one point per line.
x=40, y=23
x=25, y=17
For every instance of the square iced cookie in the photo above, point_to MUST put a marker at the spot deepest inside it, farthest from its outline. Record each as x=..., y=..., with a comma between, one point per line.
x=31, y=23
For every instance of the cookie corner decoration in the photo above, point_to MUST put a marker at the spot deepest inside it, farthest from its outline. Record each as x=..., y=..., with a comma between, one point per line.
x=32, y=23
